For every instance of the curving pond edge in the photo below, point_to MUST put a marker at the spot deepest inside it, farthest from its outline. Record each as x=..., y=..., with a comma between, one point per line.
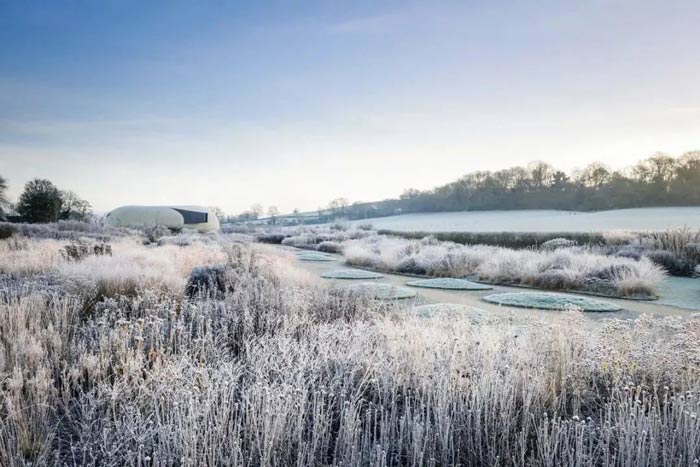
x=550, y=301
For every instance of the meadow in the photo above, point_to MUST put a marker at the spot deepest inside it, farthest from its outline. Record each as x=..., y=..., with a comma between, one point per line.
x=543, y=220
x=212, y=350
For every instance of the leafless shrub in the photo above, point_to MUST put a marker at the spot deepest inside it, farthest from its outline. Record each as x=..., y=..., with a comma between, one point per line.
x=330, y=247
x=154, y=234
x=79, y=250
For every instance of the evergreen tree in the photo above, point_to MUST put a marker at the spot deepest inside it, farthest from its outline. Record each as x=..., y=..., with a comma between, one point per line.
x=40, y=202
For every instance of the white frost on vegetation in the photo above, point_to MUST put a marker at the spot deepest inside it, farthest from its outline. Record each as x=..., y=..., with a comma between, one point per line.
x=562, y=269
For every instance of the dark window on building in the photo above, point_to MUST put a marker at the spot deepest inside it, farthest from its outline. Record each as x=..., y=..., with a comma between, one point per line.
x=193, y=217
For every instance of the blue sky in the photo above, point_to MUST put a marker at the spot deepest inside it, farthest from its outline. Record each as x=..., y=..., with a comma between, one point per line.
x=295, y=103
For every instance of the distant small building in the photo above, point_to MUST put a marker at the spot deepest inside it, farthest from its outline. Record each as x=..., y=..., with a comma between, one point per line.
x=173, y=217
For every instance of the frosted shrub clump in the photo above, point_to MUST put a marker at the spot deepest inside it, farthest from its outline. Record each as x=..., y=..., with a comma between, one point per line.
x=557, y=243
x=323, y=238
x=561, y=269
x=379, y=291
x=301, y=241
x=329, y=246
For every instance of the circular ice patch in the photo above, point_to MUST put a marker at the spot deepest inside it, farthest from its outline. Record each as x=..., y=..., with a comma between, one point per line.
x=550, y=301
x=380, y=291
x=314, y=257
x=449, y=284
x=351, y=274
x=450, y=309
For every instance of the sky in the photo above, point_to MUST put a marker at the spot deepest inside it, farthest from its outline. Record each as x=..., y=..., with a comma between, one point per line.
x=295, y=103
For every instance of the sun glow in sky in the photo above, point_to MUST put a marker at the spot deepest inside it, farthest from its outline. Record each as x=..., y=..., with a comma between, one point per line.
x=296, y=103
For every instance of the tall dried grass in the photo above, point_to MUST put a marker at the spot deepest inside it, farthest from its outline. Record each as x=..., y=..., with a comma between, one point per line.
x=281, y=373
x=561, y=269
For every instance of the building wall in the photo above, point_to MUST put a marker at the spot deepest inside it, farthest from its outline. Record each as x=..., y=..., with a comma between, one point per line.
x=153, y=216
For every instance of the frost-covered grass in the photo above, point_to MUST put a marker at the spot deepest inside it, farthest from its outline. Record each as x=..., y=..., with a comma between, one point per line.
x=448, y=283
x=561, y=269
x=69, y=230
x=551, y=301
x=451, y=310
x=675, y=250
x=351, y=274
x=275, y=370
x=323, y=238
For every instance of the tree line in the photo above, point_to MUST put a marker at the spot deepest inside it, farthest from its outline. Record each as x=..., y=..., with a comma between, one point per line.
x=659, y=180
x=42, y=201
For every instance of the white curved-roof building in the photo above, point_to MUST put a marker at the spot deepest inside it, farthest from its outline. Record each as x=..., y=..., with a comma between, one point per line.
x=173, y=217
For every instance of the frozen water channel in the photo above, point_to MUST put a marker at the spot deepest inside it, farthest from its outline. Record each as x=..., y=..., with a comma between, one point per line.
x=678, y=296
x=540, y=220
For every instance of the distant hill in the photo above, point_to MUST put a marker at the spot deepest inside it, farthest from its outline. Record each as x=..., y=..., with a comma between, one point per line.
x=660, y=180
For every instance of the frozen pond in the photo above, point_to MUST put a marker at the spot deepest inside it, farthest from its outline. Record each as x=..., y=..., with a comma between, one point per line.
x=683, y=292
x=542, y=220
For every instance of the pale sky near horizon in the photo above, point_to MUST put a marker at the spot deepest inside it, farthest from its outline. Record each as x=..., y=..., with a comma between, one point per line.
x=296, y=103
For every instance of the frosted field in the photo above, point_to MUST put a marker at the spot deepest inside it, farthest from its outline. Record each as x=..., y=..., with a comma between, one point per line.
x=542, y=220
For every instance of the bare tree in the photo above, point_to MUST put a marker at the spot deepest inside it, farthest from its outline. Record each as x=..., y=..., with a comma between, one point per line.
x=658, y=169
x=74, y=208
x=273, y=212
x=688, y=168
x=541, y=174
x=256, y=210
x=338, y=205
x=410, y=193
x=595, y=175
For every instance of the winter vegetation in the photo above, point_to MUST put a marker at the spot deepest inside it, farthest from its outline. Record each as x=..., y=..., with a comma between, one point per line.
x=517, y=240
x=451, y=310
x=211, y=351
x=64, y=230
x=562, y=269
x=42, y=201
x=676, y=250
x=550, y=301
x=379, y=291
x=326, y=238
